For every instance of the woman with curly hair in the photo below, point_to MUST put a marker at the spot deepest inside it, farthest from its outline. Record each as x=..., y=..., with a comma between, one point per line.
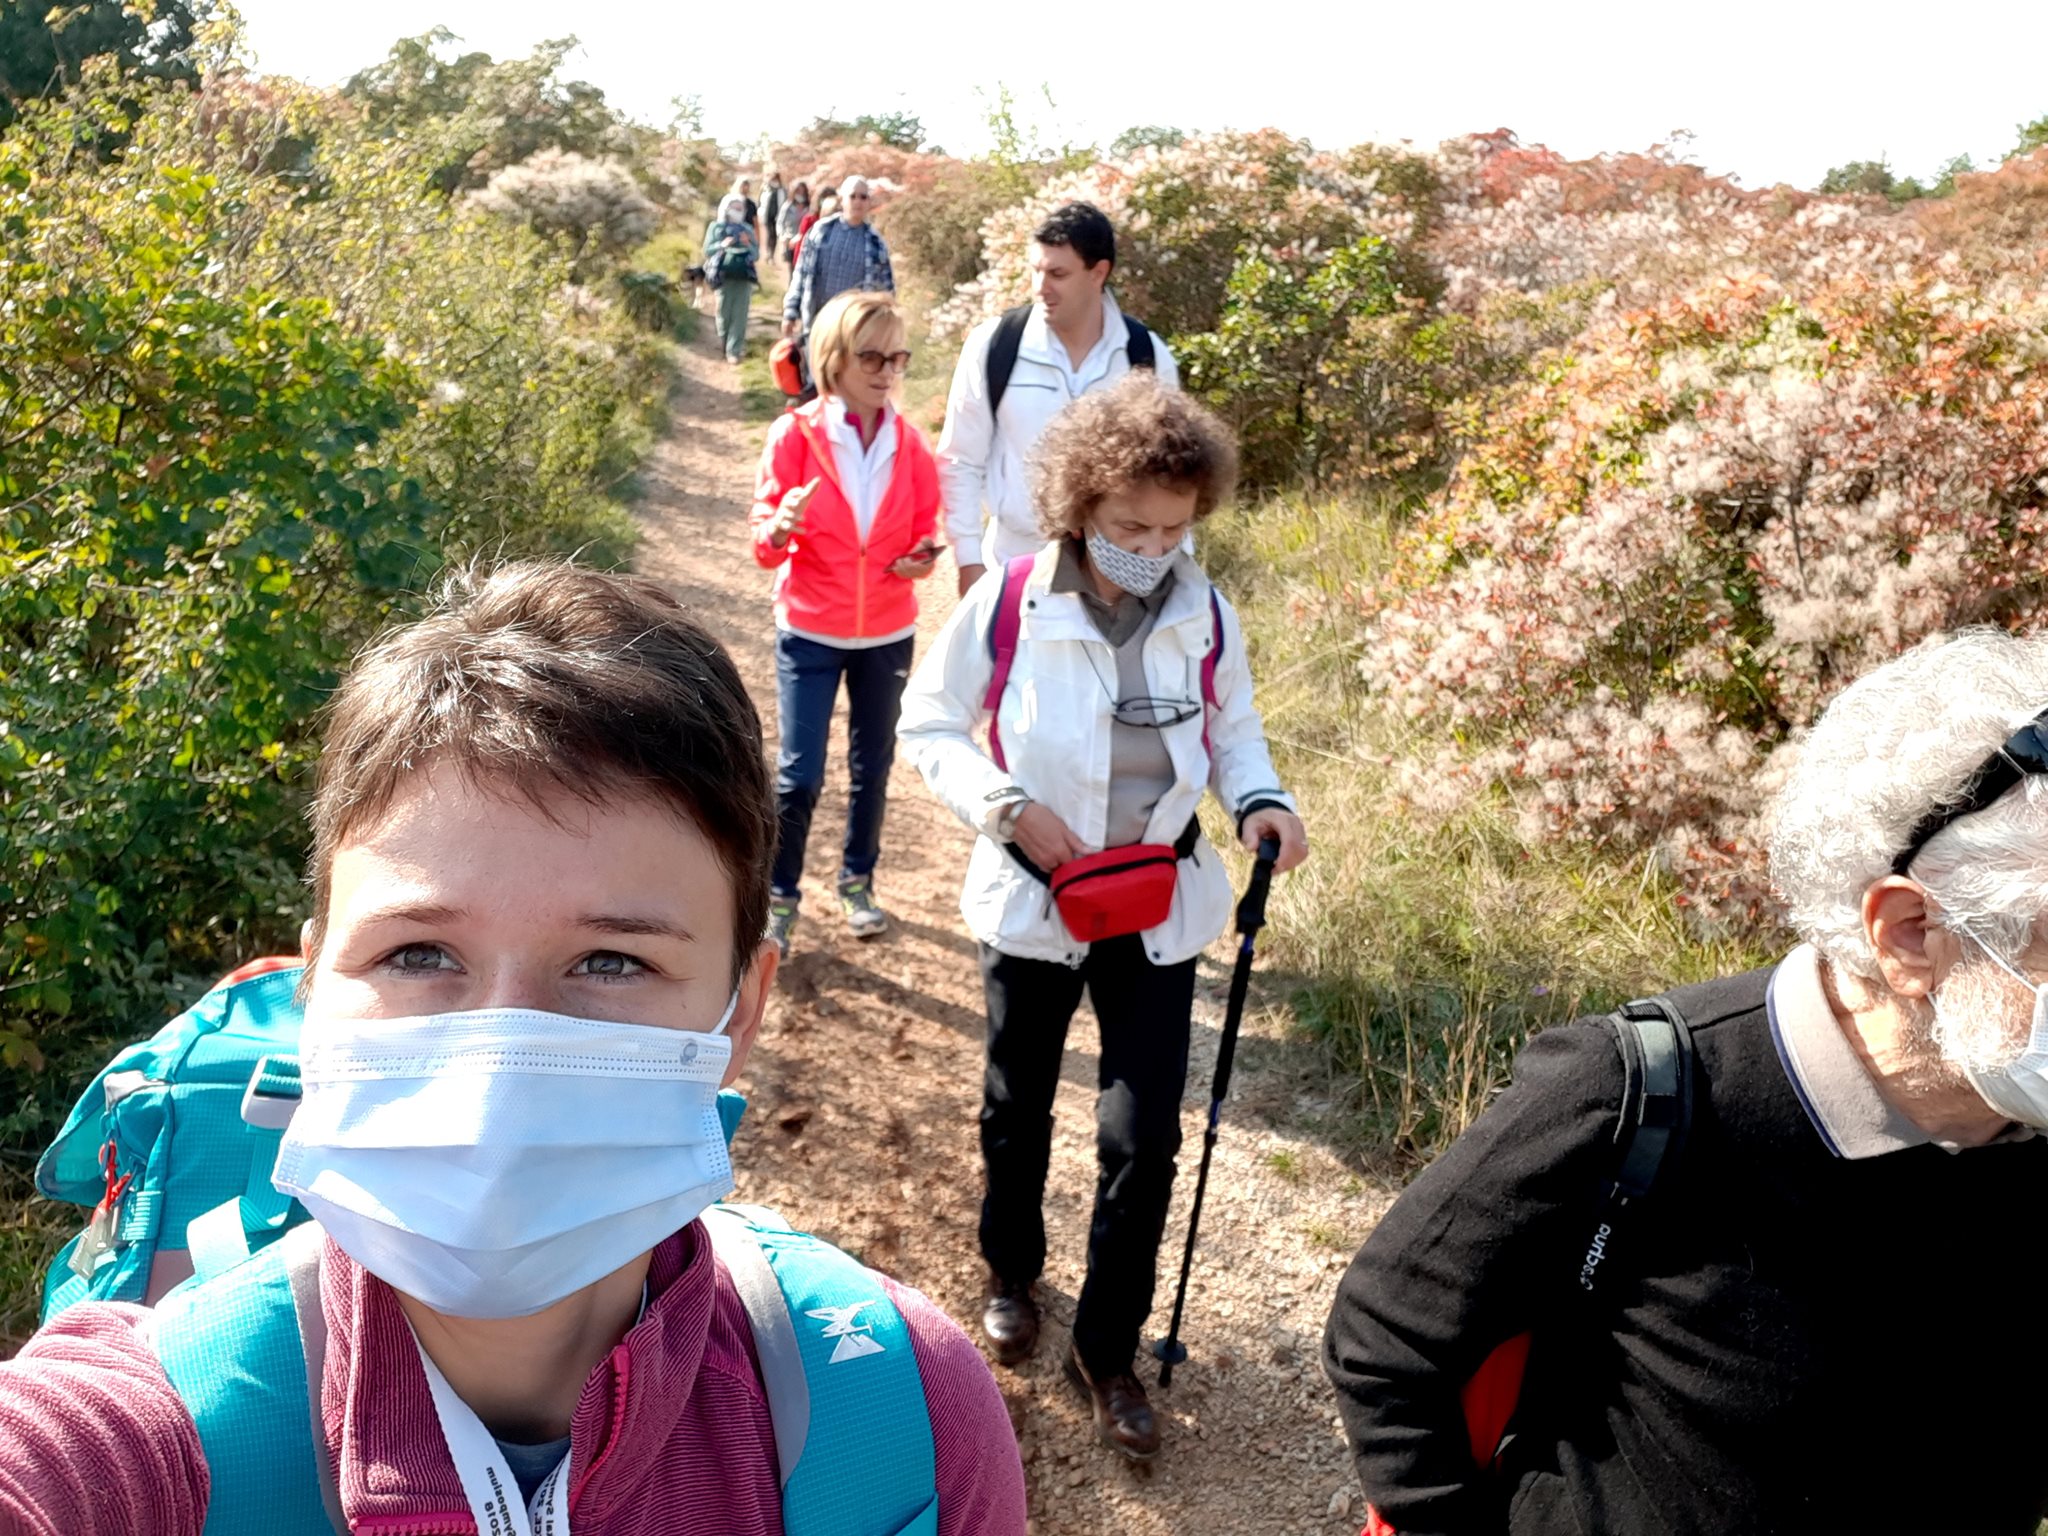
x=1111, y=677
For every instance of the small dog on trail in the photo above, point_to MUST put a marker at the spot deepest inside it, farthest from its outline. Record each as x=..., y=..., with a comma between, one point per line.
x=698, y=281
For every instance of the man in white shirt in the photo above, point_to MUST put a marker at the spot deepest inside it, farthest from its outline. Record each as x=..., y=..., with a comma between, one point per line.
x=1069, y=340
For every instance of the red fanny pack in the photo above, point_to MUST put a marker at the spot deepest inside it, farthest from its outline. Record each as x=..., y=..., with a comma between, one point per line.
x=1117, y=891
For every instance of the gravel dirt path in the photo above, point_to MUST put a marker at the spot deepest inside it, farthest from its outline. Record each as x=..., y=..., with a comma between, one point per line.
x=865, y=1086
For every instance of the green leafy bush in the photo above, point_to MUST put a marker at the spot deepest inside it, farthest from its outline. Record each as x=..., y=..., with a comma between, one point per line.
x=650, y=300
x=1328, y=369
x=243, y=417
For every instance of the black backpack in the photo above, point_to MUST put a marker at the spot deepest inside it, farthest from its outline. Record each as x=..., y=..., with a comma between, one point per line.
x=1009, y=336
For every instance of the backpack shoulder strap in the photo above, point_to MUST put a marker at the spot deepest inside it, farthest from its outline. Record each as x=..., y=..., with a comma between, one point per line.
x=1209, y=704
x=1002, y=354
x=1657, y=1062
x=1002, y=647
x=853, y=1434
x=1138, y=345
x=1659, y=1066
x=245, y=1351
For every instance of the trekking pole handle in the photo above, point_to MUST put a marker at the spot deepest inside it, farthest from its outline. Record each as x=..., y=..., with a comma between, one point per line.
x=1251, y=911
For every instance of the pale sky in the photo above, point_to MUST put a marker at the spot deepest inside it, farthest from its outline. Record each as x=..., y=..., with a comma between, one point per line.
x=1772, y=90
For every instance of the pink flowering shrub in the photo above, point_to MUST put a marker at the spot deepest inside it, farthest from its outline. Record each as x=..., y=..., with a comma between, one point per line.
x=1526, y=221
x=1670, y=545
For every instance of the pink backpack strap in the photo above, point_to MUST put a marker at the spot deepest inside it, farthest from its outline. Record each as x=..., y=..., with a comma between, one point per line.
x=1002, y=645
x=1209, y=666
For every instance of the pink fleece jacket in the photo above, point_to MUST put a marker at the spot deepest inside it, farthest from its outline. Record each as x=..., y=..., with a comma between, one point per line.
x=670, y=1438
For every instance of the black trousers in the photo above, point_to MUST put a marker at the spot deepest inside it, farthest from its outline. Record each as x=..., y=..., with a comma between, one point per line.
x=1144, y=1011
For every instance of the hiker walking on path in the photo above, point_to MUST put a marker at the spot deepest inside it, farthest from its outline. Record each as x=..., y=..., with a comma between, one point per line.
x=730, y=259
x=1017, y=372
x=1751, y=1268
x=1116, y=678
x=796, y=214
x=743, y=189
x=846, y=512
x=772, y=203
x=541, y=842
x=842, y=253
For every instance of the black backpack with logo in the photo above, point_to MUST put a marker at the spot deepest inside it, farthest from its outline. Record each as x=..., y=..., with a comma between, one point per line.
x=1009, y=336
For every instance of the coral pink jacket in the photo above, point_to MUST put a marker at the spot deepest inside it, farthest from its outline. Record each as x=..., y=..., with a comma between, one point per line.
x=832, y=582
x=670, y=1438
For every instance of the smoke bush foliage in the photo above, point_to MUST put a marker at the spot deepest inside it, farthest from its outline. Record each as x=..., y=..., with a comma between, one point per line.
x=1689, y=527
x=243, y=416
x=594, y=206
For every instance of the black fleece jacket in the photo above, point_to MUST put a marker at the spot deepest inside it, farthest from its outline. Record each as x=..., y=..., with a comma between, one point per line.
x=1785, y=1341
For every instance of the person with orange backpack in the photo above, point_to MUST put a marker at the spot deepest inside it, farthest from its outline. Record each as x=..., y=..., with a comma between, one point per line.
x=1111, y=678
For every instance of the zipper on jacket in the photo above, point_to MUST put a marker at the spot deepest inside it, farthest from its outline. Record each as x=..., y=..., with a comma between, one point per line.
x=415, y=1525
x=622, y=1374
x=860, y=585
x=860, y=590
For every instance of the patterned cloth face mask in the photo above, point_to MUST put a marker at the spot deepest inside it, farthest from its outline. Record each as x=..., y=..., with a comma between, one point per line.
x=491, y=1163
x=1138, y=575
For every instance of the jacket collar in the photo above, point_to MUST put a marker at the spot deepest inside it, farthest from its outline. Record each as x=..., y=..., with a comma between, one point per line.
x=1039, y=343
x=379, y=1415
x=836, y=426
x=812, y=424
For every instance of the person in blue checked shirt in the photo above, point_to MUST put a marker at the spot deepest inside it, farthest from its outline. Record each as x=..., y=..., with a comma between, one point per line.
x=840, y=253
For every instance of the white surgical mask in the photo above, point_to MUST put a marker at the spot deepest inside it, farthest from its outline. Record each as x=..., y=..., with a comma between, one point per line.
x=2019, y=1089
x=492, y=1163
x=1138, y=575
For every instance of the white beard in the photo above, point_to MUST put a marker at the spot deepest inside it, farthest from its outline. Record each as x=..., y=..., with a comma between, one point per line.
x=1982, y=1017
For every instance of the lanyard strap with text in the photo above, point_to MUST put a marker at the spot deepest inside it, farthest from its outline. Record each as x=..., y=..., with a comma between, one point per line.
x=487, y=1481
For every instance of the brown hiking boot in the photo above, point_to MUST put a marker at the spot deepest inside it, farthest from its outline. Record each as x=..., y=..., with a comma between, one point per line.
x=1010, y=1320
x=1123, y=1416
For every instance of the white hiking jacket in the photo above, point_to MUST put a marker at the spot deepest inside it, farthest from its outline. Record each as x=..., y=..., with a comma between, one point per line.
x=982, y=460
x=1056, y=717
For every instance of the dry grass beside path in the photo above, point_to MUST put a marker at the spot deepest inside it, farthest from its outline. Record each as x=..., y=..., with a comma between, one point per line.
x=866, y=1083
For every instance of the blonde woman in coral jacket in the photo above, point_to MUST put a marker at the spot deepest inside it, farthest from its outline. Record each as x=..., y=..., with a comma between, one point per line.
x=846, y=513
x=1110, y=738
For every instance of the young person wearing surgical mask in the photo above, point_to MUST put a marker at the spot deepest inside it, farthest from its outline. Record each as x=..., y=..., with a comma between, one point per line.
x=540, y=878
x=1109, y=738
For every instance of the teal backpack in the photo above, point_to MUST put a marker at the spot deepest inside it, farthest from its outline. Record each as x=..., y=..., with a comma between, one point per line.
x=173, y=1145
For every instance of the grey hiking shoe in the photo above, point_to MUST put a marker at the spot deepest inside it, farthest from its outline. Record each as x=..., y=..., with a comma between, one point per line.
x=863, y=916
x=781, y=920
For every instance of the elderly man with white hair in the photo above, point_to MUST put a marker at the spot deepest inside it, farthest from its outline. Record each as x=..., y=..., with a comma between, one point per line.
x=1760, y=1260
x=840, y=253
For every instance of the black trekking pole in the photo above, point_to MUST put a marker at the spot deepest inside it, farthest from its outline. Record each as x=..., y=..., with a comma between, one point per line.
x=1251, y=917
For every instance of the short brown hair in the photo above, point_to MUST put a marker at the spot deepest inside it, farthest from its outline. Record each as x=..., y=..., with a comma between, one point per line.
x=548, y=678
x=839, y=328
x=1134, y=431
